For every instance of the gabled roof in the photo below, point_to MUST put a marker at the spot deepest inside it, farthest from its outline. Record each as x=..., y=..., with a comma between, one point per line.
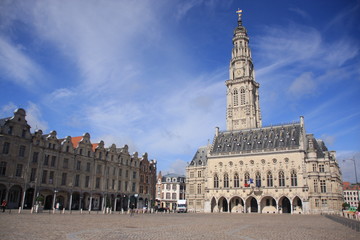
x=200, y=157
x=94, y=146
x=75, y=141
x=3, y=121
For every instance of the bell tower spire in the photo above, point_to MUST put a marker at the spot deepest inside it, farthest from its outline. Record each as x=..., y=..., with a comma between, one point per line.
x=243, y=108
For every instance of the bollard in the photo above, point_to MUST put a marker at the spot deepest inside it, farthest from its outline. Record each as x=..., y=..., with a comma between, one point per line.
x=32, y=209
x=53, y=210
x=80, y=210
x=19, y=210
x=63, y=210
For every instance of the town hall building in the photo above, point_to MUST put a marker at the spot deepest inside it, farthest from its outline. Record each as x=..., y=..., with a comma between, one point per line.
x=263, y=169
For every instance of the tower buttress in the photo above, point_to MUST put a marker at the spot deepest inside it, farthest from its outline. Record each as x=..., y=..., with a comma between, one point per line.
x=243, y=108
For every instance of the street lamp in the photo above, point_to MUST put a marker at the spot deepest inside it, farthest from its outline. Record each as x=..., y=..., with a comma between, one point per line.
x=356, y=185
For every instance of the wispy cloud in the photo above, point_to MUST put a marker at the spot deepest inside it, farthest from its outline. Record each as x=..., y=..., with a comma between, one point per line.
x=34, y=117
x=17, y=66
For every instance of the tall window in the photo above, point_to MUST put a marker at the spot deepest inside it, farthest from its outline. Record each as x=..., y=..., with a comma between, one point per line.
x=77, y=180
x=258, y=179
x=53, y=161
x=199, y=188
x=18, y=171
x=3, y=168
x=46, y=160
x=199, y=173
x=66, y=163
x=167, y=195
x=33, y=175
x=242, y=96
x=22, y=151
x=35, y=157
x=63, y=178
x=236, y=97
x=51, y=177
x=88, y=165
x=44, y=176
x=316, y=185
x=247, y=179
x=236, y=180
x=321, y=168
x=173, y=195
x=97, y=183
x=269, y=179
x=216, y=181
x=174, y=186
x=293, y=178
x=6, y=148
x=226, y=180
x=314, y=167
x=323, y=186
x=87, y=181
x=281, y=179
x=78, y=165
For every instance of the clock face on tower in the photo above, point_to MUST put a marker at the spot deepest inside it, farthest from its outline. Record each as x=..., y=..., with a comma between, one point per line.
x=238, y=73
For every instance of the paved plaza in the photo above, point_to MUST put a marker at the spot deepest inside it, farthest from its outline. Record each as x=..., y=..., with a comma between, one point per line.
x=170, y=226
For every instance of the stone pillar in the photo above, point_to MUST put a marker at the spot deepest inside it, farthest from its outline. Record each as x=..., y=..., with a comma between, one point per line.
x=23, y=199
x=90, y=203
x=115, y=204
x=70, y=202
x=54, y=199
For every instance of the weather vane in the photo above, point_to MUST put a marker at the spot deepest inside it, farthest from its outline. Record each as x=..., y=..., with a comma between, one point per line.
x=239, y=13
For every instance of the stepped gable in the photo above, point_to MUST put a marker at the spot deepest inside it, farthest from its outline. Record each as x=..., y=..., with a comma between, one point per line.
x=281, y=137
x=200, y=158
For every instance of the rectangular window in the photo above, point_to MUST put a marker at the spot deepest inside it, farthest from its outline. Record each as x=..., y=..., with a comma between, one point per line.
x=22, y=151
x=191, y=174
x=324, y=202
x=53, y=161
x=191, y=189
x=134, y=187
x=113, y=184
x=167, y=195
x=126, y=186
x=6, y=148
x=35, y=157
x=127, y=173
x=141, y=189
x=51, y=177
x=120, y=172
x=88, y=166
x=107, y=184
x=46, y=160
x=44, y=176
x=77, y=180
x=174, y=187
x=314, y=167
x=3, y=168
x=98, y=169
x=87, y=181
x=33, y=175
x=199, y=173
x=10, y=130
x=119, y=185
x=199, y=188
x=19, y=168
x=134, y=175
x=317, y=203
x=66, y=163
x=173, y=195
x=23, y=133
x=97, y=183
x=168, y=186
x=63, y=179
x=78, y=165
x=316, y=187
x=321, y=168
x=323, y=186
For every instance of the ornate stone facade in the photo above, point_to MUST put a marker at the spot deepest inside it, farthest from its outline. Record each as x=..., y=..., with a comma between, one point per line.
x=250, y=168
x=70, y=173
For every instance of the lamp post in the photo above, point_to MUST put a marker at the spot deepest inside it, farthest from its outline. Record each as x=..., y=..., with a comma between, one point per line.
x=357, y=186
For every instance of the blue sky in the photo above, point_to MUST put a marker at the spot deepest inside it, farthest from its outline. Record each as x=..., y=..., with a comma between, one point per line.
x=150, y=73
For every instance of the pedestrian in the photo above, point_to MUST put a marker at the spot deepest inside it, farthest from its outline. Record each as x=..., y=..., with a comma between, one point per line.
x=3, y=205
x=132, y=210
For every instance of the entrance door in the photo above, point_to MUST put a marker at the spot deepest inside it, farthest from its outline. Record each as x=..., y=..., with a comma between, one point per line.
x=254, y=205
x=286, y=207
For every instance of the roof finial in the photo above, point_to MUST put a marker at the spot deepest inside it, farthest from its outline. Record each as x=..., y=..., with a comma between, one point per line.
x=239, y=13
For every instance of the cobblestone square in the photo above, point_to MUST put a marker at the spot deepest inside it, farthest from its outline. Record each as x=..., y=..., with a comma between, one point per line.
x=170, y=226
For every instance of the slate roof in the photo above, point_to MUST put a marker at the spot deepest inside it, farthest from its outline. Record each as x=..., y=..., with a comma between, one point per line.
x=200, y=158
x=281, y=137
x=3, y=121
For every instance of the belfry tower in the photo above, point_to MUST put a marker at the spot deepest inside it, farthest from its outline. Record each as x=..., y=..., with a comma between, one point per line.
x=243, y=109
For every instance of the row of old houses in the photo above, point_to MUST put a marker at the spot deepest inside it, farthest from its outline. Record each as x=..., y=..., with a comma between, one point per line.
x=70, y=172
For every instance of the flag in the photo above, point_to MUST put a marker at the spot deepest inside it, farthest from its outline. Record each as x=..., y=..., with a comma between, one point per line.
x=239, y=11
x=251, y=180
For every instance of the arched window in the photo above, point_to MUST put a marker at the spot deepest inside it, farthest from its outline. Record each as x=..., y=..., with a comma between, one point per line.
x=247, y=179
x=242, y=96
x=258, y=179
x=236, y=97
x=216, y=181
x=293, y=178
x=269, y=179
x=226, y=180
x=236, y=180
x=281, y=179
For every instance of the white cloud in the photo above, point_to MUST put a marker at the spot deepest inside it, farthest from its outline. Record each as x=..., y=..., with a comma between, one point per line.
x=8, y=109
x=34, y=117
x=303, y=85
x=17, y=66
x=178, y=166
